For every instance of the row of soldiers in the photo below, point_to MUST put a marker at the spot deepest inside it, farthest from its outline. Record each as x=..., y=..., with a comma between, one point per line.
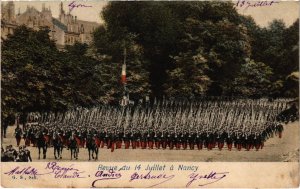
x=12, y=155
x=166, y=125
x=116, y=139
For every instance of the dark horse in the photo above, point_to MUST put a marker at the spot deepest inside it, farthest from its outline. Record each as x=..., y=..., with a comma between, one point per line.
x=92, y=145
x=74, y=146
x=57, y=145
x=41, y=144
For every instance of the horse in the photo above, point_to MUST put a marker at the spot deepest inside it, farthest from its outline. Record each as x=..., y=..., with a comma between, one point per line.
x=57, y=145
x=48, y=140
x=92, y=145
x=41, y=144
x=74, y=146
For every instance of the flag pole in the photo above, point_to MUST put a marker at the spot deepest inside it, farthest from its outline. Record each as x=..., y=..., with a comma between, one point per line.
x=125, y=98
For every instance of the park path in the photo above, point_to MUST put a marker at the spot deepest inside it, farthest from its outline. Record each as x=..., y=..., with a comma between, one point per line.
x=275, y=150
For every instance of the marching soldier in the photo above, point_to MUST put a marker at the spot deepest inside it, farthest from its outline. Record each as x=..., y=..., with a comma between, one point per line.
x=102, y=137
x=279, y=130
x=127, y=138
x=173, y=140
x=199, y=141
x=135, y=140
x=107, y=138
x=18, y=134
x=220, y=142
x=150, y=139
x=184, y=140
x=112, y=139
x=26, y=136
x=144, y=140
x=119, y=139
x=229, y=141
x=137, y=137
x=191, y=140
x=157, y=139
x=165, y=140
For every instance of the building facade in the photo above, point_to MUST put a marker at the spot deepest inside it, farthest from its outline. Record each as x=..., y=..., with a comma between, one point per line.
x=64, y=30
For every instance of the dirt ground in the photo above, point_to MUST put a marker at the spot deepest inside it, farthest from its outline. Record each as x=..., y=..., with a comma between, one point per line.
x=275, y=150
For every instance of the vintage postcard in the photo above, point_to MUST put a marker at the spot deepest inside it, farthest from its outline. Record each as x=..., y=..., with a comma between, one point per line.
x=150, y=94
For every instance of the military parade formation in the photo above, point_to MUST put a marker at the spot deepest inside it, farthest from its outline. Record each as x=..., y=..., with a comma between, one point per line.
x=175, y=125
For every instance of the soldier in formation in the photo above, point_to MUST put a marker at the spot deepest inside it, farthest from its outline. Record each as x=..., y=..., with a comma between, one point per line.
x=173, y=125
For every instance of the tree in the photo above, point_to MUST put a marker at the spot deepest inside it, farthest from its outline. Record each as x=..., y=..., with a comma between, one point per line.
x=30, y=73
x=156, y=31
x=291, y=46
x=254, y=80
x=160, y=28
x=291, y=85
x=110, y=49
x=36, y=77
x=82, y=84
x=188, y=78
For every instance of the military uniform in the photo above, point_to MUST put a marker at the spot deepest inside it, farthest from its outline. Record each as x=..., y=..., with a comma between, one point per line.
x=9, y=155
x=126, y=139
x=157, y=140
x=164, y=140
x=229, y=141
x=191, y=140
x=199, y=141
x=144, y=140
x=24, y=155
x=112, y=139
x=18, y=135
x=119, y=140
x=150, y=139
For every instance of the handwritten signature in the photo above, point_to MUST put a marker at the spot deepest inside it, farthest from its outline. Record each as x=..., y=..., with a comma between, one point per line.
x=248, y=3
x=73, y=5
x=157, y=178
x=210, y=178
x=63, y=172
x=102, y=175
x=23, y=171
x=56, y=169
x=161, y=177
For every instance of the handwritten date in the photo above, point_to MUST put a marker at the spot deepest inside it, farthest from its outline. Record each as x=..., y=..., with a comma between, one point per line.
x=248, y=3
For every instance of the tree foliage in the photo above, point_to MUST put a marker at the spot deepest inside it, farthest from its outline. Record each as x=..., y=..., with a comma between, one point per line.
x=173, y=49
x=253, y=80
x=110, y=50
x=38, y=77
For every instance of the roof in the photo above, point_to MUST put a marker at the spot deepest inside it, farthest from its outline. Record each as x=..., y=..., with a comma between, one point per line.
x=59, y=24
x=87, y=23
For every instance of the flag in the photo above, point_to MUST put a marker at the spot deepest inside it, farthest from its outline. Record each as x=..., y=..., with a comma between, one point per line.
x=123, y=76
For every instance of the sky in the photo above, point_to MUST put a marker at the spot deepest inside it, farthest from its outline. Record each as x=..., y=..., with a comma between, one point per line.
x=288, y=11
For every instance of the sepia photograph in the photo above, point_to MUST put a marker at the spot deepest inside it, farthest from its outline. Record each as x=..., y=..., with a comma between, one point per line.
x=149, y=81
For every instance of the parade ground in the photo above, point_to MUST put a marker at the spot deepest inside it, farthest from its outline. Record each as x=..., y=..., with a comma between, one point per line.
x=275, y=150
